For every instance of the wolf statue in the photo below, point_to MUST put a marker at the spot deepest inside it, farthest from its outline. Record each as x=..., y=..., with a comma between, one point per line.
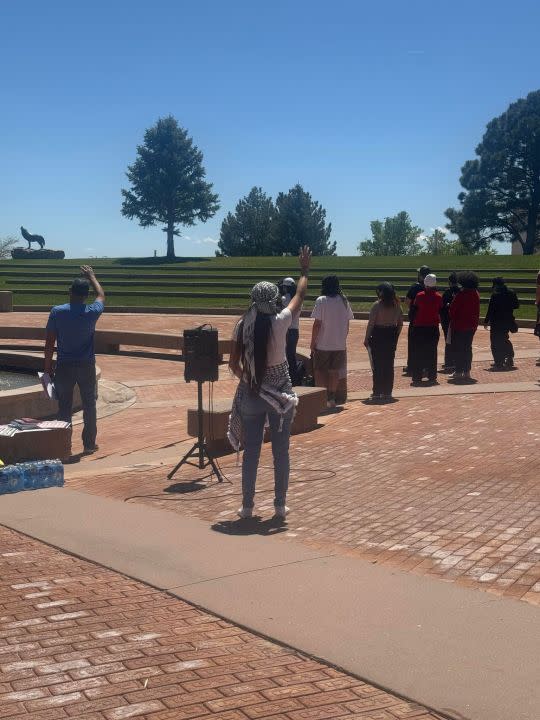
x=32, y=238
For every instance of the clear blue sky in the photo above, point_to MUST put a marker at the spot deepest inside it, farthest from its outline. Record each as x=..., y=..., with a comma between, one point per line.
x=372, y=106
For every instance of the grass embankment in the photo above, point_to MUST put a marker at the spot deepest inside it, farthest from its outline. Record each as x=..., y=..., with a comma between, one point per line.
x=224, y=283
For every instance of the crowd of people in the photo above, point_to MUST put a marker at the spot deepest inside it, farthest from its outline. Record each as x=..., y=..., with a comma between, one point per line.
x=266, y=338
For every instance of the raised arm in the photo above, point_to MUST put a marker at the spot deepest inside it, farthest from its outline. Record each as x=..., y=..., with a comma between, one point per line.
x=304, y=259
x=89, y=274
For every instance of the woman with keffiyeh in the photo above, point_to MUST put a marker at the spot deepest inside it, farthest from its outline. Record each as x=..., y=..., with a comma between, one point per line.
x=258, y=358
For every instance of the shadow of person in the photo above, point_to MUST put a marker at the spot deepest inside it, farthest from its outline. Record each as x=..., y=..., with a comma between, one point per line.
x=254, y=526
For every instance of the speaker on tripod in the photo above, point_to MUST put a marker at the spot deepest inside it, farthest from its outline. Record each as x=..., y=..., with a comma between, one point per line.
x=201, y=364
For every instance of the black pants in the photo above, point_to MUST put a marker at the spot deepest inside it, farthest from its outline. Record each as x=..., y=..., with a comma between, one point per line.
x=501, y=346
x=462, y=349
x=292, y=342
x=425, y=340
x=410, y=346
x=383, y=344
x=449, y=361
x=65, y=379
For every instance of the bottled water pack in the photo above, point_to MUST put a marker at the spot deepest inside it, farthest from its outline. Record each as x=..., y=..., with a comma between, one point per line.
x=34, y=475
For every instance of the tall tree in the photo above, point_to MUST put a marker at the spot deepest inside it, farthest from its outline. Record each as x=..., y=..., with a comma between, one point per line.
x=501, y=198
x=168, y=182
x=248, y=231
x=394, y=236
x=300, y=221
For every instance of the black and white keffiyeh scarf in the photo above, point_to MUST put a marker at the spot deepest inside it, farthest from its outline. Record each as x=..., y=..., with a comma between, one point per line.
x=276, y=390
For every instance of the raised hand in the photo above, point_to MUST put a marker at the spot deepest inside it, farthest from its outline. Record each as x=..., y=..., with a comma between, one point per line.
x=87, y=271
x=304, y=258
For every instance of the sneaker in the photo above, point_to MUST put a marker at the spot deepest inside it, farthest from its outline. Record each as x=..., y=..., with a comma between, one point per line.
x=330, y=404
x=245, y=513
x=456, y=375
x=281, y=511
x=432, y=383
x=417, y=383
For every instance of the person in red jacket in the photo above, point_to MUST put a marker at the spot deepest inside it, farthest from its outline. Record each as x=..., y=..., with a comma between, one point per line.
x=464, y=318
x=425, y=335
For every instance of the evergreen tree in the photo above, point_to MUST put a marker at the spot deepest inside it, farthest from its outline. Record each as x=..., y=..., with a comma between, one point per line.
x=300, y=221
x=168, y=182
x=248, y=231
x=501, y=198
x=394, y=236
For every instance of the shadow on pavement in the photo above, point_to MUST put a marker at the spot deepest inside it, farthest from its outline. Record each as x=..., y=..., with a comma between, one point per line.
x=254, y=526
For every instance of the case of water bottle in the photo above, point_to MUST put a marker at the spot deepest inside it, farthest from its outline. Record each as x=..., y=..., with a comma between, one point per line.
x=34, y=475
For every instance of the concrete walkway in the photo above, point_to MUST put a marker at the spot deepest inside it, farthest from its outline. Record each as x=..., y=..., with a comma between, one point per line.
x=461, y=652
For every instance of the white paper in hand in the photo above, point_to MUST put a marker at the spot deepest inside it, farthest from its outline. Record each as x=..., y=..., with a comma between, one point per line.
x=48, y=385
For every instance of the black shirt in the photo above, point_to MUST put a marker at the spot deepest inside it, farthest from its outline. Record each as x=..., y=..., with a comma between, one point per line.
x=500, y=312
x=412, y=293
x=448, y=295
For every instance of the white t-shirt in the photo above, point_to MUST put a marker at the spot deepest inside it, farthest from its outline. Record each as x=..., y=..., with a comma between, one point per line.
x=334, y=315
x=278, y=338
x=295, y=324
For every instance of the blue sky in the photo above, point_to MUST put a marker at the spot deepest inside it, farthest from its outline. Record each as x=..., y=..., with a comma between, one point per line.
x=372, y=106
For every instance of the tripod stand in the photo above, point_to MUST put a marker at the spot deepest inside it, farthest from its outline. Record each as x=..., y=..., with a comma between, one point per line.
x=200, y=449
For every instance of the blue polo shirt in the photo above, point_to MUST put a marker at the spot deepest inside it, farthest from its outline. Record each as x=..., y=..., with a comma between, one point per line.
x=74, y=325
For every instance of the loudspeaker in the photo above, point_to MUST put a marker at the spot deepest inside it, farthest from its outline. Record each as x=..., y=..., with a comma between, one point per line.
x=201, y=354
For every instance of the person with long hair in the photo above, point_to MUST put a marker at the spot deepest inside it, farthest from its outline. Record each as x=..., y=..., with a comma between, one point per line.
x=501, y=321
x=464, y=318
x=258, y=359
x=413, y=291
x=332, y=314
x=288, y=291
x=382, y=333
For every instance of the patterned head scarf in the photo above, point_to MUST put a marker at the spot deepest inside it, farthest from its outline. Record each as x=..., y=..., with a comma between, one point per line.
x=264, y=298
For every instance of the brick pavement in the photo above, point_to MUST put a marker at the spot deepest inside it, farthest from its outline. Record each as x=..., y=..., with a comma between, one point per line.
x=80, y=641
x=445, y=486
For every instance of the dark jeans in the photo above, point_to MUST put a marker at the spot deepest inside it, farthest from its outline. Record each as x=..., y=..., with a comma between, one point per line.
x=292, y=342
x=383, y=344
x=449, y=361
x=65, y=378
x=462, y=349
x=501, y=346
x=425, y=341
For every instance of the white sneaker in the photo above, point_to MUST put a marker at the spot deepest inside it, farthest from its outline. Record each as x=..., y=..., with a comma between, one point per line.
x=245, y=513
x=331, y=404
x=281, y=511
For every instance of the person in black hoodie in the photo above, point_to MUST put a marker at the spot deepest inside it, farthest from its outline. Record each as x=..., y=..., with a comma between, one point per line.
x=448, y=295
x=501, y=321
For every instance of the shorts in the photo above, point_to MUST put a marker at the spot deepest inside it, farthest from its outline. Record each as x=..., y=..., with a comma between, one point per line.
x=327, y=360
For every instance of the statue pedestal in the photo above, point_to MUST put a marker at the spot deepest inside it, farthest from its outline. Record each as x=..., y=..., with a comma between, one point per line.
x=20, y=253
x=6, y=301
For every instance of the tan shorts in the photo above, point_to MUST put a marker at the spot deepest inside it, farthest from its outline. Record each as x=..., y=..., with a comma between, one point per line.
x=328, y=360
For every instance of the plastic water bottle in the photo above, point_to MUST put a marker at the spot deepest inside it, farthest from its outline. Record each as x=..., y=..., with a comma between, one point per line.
x=27, y=476
x=58, y=473
x=14, y=479
x=4, y=480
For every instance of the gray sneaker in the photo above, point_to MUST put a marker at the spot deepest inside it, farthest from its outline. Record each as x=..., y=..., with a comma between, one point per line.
x=245, y=513
x=281, y=511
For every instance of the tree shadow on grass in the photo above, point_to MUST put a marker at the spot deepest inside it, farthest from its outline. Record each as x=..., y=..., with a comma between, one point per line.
x=254, y=526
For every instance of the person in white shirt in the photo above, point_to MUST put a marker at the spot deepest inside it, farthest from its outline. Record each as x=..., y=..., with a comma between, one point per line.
x=258, y=359
x=332, y=314
x=288, y=289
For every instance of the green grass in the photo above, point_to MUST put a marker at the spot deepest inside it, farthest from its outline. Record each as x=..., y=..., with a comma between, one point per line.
x=216, y=283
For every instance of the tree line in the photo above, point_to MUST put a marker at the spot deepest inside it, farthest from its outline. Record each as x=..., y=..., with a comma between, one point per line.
x=500, y=198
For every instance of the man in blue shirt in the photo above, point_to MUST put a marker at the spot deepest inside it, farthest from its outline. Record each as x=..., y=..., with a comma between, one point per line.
x=71, y=327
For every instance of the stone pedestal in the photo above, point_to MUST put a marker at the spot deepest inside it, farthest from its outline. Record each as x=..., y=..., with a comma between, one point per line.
x=25, y=254
x=6, y=301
